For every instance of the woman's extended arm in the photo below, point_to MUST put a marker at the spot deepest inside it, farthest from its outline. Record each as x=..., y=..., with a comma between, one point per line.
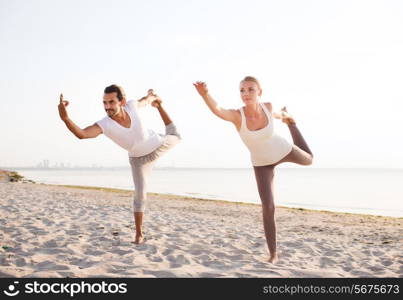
x=225, y=114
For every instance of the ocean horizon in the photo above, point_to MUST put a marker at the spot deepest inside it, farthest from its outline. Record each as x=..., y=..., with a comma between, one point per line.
x=353, y=190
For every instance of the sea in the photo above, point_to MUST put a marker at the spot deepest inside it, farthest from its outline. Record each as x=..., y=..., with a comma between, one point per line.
x=364, y=191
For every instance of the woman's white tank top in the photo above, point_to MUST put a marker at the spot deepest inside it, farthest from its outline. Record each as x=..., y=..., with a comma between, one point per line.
x=265, y=146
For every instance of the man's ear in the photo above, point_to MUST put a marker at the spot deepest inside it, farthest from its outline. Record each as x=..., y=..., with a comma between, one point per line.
x=124, y=101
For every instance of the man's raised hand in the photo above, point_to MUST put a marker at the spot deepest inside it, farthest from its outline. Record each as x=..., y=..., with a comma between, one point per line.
x=62, y=108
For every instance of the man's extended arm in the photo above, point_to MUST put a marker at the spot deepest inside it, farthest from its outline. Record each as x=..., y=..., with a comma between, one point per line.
x=86, y=133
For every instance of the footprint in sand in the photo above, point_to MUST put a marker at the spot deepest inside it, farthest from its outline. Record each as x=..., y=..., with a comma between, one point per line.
x=155, y=258
x=151, y=249
x=67, y=274
x=167, y=252
x=386, y=263
x=72, y=232
x=223, y=255
x=121, y=252
x=9, y=229
x=20, y=262
x=93, y=252
x=209, y=275
x=326, y=261
x=116, y=269
x=82, y=263
x=177, y=261
x=204, y=258
x=217, y=264
x=50, y=244
x=47, y=222
x=50, y=266
x=377, y=253
x=160, y=274
x=377, y=269
x=196, y=252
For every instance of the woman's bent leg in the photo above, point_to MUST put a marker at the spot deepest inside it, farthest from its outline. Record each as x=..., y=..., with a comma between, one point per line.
x=298, y=139
x=300, y=152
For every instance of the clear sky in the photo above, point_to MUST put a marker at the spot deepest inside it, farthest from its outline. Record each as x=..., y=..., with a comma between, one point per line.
x=337, y=65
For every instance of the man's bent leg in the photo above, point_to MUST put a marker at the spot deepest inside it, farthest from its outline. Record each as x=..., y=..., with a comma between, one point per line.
x=171, y=129
x=164, y=116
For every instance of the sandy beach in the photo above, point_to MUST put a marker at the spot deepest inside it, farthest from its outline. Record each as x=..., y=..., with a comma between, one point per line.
x=59, y=231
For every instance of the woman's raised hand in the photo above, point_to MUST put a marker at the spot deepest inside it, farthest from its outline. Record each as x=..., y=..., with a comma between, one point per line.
x=201, y=88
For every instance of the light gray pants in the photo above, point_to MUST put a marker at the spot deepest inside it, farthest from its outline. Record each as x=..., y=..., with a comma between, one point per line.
x=142, y=166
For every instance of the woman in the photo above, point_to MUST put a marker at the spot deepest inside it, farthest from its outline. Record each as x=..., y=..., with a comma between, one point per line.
x=254, y=123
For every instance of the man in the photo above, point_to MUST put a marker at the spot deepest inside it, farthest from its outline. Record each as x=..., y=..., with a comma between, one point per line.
x=123, y=126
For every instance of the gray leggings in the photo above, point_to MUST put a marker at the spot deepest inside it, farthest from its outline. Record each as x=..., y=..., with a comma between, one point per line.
x=300, y=154
x=142, y=166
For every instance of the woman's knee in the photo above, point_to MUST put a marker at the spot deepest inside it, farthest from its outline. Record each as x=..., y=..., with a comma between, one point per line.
x=269, y=208
x=309, y=160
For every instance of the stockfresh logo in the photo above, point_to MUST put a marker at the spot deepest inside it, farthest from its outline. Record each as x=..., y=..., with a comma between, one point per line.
x=11, y=290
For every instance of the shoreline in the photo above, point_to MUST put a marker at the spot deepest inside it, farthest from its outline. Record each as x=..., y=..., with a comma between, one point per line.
x=332, y=208
x=71, y=231
x=116, y=190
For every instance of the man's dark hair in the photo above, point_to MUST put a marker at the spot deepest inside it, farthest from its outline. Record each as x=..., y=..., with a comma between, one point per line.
x=115, y=89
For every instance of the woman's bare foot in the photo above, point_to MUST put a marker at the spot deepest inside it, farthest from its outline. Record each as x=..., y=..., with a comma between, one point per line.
x=273, y=258
x=138, y=239
x=286, y=117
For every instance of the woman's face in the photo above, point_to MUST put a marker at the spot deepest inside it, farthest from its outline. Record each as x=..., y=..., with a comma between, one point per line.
x=250, y=92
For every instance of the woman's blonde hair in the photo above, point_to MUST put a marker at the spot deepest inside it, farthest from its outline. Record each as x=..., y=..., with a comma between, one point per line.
x=252, y=79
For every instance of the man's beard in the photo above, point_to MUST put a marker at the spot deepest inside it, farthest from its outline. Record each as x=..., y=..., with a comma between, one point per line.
x=111, y=113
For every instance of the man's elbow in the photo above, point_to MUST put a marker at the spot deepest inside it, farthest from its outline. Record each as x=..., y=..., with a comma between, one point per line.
x=81, y=136
x=87, y=136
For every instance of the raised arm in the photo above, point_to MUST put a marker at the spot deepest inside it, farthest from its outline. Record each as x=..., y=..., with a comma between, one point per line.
x=91, y=131
x=230, y=115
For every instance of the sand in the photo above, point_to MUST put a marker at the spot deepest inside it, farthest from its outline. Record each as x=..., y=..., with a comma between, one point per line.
x=56, y=231
x=4, y=176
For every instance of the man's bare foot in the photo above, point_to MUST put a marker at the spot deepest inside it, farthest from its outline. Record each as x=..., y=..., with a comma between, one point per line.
x=156, y=100
x=273, y=258
x=286, y=117
x=138, y=239
x=156, y=103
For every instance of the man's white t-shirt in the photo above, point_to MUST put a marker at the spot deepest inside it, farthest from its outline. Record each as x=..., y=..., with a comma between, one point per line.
x=137, y=140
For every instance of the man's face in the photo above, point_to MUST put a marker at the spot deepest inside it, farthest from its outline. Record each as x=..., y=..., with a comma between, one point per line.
x=112, y=104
